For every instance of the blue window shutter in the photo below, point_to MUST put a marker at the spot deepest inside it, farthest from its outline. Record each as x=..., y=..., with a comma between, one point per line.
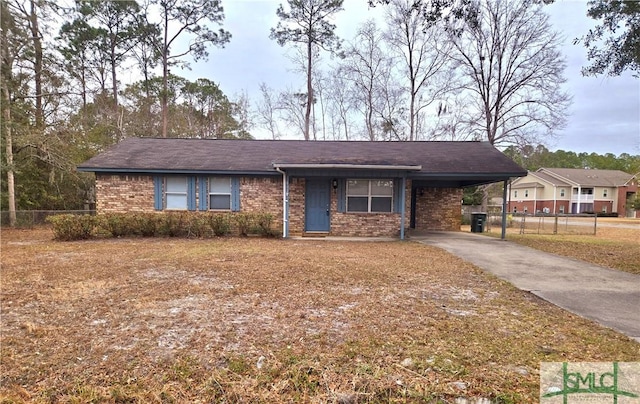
x=235, y=194
x=157, y=192
x=202, y=193
x=397, y=195
x=342, y=195
x=191, y=193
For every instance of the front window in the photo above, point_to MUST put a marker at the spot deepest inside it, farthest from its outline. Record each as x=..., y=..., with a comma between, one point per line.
x=220, y=193
x=604, y=209
x=369, y=196
x=561, y=208
x=526, y=193
x=515, y=194
x=562, y=192
x=604, y=193
x=176, y=193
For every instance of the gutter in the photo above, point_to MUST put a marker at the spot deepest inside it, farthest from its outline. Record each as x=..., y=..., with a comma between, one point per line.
x=277, y=166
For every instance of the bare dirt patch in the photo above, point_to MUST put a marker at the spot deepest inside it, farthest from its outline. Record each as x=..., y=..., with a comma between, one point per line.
x=169, y=320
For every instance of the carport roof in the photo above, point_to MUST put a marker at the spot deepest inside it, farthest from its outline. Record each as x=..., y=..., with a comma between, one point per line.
x=425, y=160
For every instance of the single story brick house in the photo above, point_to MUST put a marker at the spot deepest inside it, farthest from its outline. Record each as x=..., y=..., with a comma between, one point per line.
x=573, y=190
x=339, y=188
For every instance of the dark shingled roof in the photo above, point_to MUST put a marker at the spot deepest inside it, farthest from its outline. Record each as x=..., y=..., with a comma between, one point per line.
x=148, y=155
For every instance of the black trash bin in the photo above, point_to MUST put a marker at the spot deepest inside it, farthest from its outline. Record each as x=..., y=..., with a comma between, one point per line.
x=478, y=222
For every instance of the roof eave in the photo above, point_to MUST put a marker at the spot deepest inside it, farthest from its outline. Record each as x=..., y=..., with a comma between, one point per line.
x=341, y=166
x=111, y=170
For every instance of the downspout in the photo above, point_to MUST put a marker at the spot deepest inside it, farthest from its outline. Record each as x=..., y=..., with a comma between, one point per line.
x=505, y=190
x=535, y=200
x=402, y=207
x=554, y=199
x=285, y=203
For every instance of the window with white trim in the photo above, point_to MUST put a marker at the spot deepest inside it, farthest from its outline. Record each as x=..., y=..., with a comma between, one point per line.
x=525, y=209
x=526, y=193
x=561, y=208
x=176, y=193
x=515, y=193
x=604, y=208
x=562, y=192
x=604, y=193
x=220, y=193
x=371, y=196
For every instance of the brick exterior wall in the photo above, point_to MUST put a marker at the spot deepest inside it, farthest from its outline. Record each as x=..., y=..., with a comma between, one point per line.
x=439, y=209
x=124, y=193
x=539, y=205
x=264, y=195
x=296, y=206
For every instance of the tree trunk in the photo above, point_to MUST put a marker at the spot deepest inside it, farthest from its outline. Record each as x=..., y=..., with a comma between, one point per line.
x=371, y=133
x=83, y=79
x=114, y=80
x=307, y=113
x=412, y=119
x=37, y=64
x=165, y=76
x=11, y=187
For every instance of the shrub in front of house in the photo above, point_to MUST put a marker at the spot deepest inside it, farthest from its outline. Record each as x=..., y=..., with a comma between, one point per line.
x=220, y=224
x=73, y=227
x=168, y=224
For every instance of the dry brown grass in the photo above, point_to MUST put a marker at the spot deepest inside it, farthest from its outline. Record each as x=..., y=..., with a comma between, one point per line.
x=612, y=247
x=170, y=320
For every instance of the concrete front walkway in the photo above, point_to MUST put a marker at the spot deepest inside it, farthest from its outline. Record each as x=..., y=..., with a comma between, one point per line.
x=609, y=297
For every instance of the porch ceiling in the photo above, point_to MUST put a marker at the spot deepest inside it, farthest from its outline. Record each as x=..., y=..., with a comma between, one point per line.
x=457, y=181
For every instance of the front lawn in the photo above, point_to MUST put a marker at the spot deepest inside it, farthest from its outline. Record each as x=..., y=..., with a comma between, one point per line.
x=258, y=320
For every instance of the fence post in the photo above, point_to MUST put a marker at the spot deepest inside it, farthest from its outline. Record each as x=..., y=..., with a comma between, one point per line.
x=555, y=224
x=595, y=223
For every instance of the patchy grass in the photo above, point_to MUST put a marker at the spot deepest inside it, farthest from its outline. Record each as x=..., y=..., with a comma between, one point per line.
x=229, y=320
x=612, y=247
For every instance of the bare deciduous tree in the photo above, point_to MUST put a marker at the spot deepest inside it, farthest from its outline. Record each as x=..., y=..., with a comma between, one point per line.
x=294, y=105
x=424, y=55
x=366, y=65
x=509, y=57
x=340, y=99
x=267, y=111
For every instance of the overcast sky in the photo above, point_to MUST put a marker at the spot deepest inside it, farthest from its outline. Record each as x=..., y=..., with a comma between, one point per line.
x=604, y=117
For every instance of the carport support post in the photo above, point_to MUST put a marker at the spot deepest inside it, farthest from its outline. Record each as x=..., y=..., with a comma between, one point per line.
x=402, y=207
x=504, y=209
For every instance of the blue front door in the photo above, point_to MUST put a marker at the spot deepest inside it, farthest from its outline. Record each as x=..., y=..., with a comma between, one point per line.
x=317, y=203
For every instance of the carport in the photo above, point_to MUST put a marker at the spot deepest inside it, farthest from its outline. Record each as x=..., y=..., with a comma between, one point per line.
x=459, y=181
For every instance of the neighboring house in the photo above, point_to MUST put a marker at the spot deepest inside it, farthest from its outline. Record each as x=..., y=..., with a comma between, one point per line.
x=336, y=188
x=569, y=190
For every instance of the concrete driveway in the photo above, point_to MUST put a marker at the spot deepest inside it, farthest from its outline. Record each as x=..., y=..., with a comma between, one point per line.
x=609, y=297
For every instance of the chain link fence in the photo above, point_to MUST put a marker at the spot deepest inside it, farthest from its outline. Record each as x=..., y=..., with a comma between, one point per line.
x=27, y=219
x=520, y=223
